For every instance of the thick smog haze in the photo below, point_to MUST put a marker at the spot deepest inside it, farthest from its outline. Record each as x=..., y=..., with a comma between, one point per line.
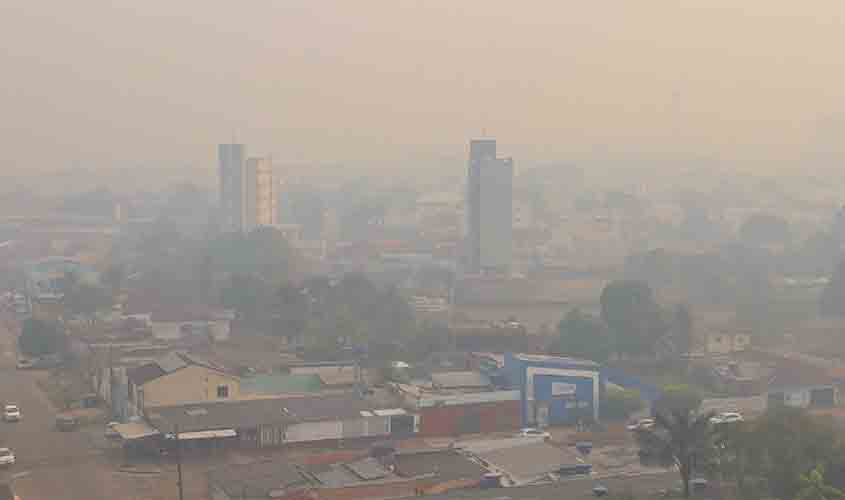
x=752, y=85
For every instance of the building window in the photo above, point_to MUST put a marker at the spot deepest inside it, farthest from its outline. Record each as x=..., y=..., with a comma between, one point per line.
x=222, y=391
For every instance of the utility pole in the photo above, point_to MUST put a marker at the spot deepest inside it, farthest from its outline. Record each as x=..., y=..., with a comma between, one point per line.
x=179, y=463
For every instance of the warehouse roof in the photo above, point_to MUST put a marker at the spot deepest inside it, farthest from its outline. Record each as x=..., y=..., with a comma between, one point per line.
x=249, y=413
x=529, y=462
x=220, y=415
x=340, y=406
x=259, y=480
x=446, y=465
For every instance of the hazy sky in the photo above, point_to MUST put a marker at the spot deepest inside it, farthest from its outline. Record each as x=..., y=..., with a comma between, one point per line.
x=119, y=82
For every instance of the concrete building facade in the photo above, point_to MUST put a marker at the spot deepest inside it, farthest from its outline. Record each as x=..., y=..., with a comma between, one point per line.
x=247, y=190
x=261, y=207
x=231, y=172
x=555, y=390
x=489, y=207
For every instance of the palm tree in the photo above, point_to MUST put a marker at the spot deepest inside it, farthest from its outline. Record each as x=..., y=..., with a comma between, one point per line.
x=681, y=438
x=814, y=487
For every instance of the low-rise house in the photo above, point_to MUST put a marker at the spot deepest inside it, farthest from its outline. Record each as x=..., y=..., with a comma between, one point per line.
x=178, y=378
x=797, y=385
x=451, y=412
x=267, y=422
x=176, y=321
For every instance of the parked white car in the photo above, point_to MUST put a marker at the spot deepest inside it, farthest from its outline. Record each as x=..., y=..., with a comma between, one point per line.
x=11, y=413
x=7, y=458
x=642, y=425
x=532, y=432
x=730, y=417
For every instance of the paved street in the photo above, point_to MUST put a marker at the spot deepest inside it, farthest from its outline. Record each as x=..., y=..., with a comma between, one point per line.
x=51, y=464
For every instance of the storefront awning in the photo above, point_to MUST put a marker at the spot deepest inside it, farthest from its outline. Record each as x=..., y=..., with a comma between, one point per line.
x=220, y=433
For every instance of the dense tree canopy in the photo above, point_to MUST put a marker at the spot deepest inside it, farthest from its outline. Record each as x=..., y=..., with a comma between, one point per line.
x=678, y=397
x=40, y=338
x=85, y=299
x=681, y=438
x=633, y=316
x=583, y=336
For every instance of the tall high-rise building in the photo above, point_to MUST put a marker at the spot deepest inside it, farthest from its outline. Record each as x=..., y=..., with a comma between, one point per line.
x=232, y=170
x=260, y=193
x=489, y=199
x=247, y=190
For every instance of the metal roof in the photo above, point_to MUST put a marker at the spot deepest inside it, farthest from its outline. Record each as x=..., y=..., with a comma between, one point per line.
x=216, y=415
x=250, y=413
x=529, y=462
x=140, y=375
x=258, y=480
x=459, y=379
x=445, y=464
x=277, y=384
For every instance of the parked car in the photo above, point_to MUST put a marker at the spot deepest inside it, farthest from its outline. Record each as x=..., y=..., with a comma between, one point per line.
x=24, y=364
x=642, y=424
x=7, y=457
x=66, y=423
x=532, y=432
x=600, y=490
x=11, y=413
x=730, y=417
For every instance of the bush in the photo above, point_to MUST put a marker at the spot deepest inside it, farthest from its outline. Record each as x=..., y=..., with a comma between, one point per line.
x=620, y=404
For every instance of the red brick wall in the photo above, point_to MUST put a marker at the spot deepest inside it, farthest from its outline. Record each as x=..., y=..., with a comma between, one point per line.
x=451, y=420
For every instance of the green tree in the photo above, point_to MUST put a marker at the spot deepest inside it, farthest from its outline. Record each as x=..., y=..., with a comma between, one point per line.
x=40, y=338
x=87, y=300
x=678, y=397
x=681, y=438
x=635, y=319
x=739, y=458
x=793, y=443
x=246, y=294
x=583, y=336
x=621, y=404
x=814, y=487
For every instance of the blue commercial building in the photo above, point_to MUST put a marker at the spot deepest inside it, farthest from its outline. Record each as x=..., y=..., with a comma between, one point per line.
x=555, y=390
